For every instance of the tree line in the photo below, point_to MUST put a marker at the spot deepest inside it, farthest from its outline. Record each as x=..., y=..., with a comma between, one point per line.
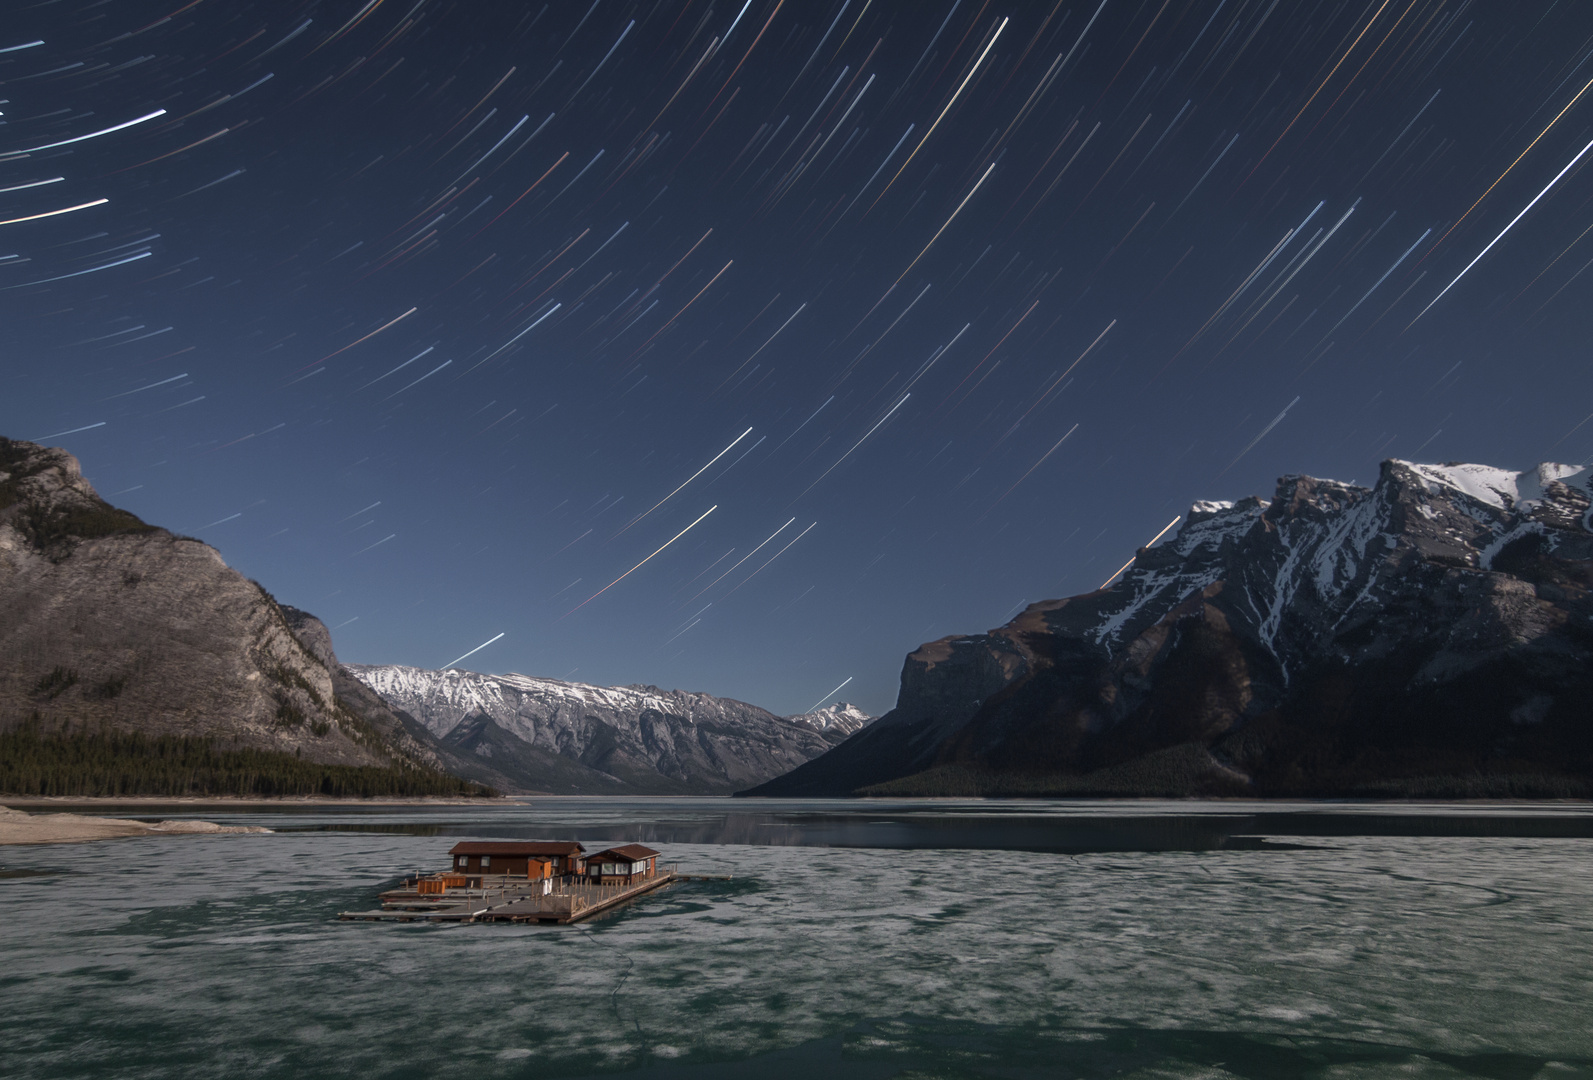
x=107, y=762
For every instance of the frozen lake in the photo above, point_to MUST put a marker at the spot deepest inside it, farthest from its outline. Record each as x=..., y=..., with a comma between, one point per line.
x=857, y=939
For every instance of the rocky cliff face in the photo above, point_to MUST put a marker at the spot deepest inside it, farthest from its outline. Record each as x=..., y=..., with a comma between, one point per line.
x=107, y=620
x=571, y=738
x=1429, y=635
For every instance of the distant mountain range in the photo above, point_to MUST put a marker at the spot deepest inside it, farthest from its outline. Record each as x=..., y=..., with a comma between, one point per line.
x=1429, y=636
x=112, y=627
x=571, y=738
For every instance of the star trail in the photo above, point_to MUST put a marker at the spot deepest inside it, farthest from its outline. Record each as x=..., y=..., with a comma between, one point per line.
x=973, y=296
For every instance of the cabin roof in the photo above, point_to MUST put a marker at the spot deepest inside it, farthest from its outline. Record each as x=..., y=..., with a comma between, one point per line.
x=517, y=848
x=633, y=852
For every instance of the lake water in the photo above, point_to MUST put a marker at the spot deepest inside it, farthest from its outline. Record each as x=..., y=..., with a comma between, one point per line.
x=856, y=939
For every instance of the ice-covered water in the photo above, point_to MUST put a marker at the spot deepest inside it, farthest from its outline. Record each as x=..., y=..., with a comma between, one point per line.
x=1094, y=940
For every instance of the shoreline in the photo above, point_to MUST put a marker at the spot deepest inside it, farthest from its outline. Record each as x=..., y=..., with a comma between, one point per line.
x=27, y=801
x=20, y=828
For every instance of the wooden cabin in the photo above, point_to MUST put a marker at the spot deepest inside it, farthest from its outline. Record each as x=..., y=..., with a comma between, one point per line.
x=624, y=865
x=518, y=858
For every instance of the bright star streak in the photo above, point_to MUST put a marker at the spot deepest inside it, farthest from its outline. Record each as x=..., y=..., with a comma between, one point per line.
x=855, y=445
x=400, y=367
x=473, y=652
x=689, y=479
x=91, y=427
x=420, y=380
x=805, y=423
x=81, y=138
x=637, y=567
x=831, y=694
x=1380, y=281
x=1514, y=163
x=367, y=337
x=773, y=557
x=760, y=348
x=378, y=543
x=32, y=183
x=971, y=72
x=949, y=220
x=1153, y=540
x=80, y=273
x=151, y=386
x=514, y=339
x=1502, y=232
x=744, y=558
x=54, y=213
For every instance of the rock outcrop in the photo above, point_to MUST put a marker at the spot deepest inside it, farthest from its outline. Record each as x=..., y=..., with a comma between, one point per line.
x=1431, y=635
x=572, y=738
x=108, y=621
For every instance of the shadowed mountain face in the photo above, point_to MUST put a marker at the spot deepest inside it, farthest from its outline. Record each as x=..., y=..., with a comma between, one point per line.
x=571, y=738
x=105, y=620
x=1428, y=636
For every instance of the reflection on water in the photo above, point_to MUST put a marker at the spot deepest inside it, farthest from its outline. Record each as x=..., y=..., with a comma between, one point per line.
x=1062, y=827
x=9, y=874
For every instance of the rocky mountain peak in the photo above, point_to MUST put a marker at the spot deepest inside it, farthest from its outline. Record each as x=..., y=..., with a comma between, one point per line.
x=106, y=621
x=49, y=506
x=842, y=717
x=1332, y=638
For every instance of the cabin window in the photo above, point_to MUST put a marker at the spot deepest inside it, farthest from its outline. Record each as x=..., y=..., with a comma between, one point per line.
x=463, y=862
x=486, y=861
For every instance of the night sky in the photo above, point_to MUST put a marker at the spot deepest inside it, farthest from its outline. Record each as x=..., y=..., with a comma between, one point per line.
x=868, y=321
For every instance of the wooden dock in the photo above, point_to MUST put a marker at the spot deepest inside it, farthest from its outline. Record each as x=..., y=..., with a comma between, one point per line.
x=510, y=899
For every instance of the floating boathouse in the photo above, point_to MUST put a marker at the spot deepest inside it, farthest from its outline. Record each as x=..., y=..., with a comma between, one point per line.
x=540, y=881
x=515, y=858
x=622, y=865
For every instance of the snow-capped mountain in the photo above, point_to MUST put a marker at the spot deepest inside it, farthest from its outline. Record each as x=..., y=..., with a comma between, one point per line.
x=568, y=737
x=1431, y=634
x=843, y=717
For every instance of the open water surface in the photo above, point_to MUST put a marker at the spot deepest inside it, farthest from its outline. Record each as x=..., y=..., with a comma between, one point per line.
x=856, y=939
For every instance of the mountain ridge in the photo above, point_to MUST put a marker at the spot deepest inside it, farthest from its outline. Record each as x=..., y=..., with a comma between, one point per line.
x=577, y=738
x=1428, y=635
x=108, y=623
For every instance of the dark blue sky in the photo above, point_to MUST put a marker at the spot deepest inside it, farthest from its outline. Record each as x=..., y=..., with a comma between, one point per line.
x=414, y=310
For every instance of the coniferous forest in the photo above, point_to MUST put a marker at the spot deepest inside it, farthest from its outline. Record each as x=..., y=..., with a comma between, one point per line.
x=106, y=762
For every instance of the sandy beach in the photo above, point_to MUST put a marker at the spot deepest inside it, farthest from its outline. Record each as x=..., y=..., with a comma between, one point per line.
x=18, y=827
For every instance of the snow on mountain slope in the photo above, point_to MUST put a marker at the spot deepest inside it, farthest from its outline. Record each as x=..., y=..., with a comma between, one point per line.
x=636, y=739
x=842, y=717
x=1432, y=633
